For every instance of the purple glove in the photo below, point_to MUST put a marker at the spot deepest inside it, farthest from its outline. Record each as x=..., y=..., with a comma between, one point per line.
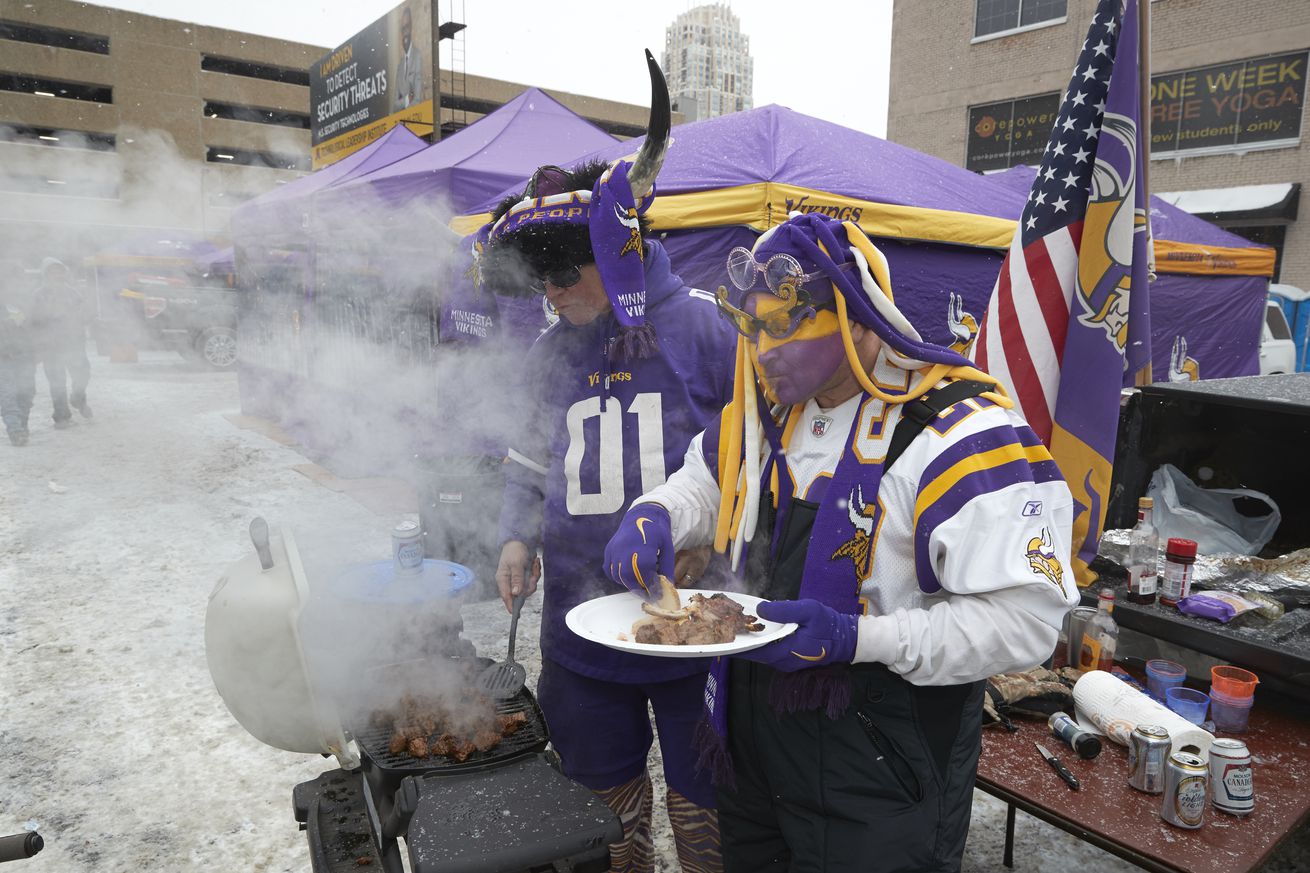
x=641, y=549
x=825, y=636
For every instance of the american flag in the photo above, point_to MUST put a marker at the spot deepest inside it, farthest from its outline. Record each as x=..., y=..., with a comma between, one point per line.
x=1068, y=324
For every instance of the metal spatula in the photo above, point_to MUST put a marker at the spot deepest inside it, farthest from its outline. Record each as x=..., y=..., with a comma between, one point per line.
x=506, y=678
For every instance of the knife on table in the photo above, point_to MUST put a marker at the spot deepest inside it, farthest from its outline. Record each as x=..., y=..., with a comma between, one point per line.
x=1063, y=771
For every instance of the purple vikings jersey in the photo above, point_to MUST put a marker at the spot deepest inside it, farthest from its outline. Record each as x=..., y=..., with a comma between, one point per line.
x=590, y=445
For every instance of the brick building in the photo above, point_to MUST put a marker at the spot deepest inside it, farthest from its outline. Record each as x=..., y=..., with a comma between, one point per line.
x=977, y=83
x=115, y=124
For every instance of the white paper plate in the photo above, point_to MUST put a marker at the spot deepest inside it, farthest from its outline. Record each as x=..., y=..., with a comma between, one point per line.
x=604, y=619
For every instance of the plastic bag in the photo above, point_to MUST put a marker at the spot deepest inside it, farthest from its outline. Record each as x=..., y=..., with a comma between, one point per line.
x=1209, y=515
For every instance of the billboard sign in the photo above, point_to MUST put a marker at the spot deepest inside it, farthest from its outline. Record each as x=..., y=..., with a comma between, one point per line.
x=380, y=77
x=1236, y=106
x=1012, y=132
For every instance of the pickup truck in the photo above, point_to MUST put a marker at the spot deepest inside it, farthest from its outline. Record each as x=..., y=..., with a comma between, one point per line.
x=198, y=319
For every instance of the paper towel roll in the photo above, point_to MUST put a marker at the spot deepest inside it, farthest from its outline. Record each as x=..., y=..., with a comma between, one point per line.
x=1114, y=708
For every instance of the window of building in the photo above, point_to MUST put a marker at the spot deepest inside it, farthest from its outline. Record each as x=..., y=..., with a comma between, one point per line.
x=250, y=158
x=1010, y=132
x=58, y=185
x=230, y=199
x=24, y=84
x=64, y=139
x=997, y=17
x=256, y=114
x=54, y=36
x=252, y=70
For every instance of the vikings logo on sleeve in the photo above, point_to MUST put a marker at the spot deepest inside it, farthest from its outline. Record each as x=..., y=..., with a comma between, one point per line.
x=1042, y=559
x=867, y=519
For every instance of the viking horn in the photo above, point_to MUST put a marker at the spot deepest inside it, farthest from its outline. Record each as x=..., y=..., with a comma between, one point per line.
x=647, y=164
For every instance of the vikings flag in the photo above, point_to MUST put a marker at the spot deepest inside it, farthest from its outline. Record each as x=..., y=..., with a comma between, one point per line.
x=1068, y=325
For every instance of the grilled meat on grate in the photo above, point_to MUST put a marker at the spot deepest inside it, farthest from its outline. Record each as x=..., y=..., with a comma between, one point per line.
x=424, y=726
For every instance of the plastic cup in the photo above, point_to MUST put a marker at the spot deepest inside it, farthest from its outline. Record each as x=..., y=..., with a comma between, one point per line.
x=1078, y=619
x=1188, y=702
x=1229, y=713
x=1161, y=675
x=1233, y=682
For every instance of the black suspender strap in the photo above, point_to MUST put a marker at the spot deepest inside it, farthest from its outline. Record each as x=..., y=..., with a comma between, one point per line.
x=918, y=414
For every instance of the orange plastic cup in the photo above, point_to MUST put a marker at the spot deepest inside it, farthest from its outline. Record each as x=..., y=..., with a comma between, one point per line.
x=1233, y=682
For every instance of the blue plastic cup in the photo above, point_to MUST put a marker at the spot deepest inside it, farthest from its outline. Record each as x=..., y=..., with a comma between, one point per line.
x=1188, y=702
x=1161, y=675
x=1230, y=713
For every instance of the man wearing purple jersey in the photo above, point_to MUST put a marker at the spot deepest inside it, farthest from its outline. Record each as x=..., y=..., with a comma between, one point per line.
x=637, y=364
x=884, y=496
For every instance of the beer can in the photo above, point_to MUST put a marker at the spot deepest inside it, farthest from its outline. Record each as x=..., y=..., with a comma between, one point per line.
x=407, y=547
x=1148, y=752
x=1231, y=785
x=1186, y=778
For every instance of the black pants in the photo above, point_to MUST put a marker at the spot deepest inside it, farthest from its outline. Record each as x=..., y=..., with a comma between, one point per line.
x=61, y=363
x=885, y=787
x=17, y=386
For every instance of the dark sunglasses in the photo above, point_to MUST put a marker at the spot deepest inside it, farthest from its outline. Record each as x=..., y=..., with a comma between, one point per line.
x=565, y=278
x=779, y=324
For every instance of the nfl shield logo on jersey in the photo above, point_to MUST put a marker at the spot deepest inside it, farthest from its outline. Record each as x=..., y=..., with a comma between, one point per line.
x=819, y=425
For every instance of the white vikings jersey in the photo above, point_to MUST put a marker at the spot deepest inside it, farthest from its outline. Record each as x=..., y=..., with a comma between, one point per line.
x=970, y=572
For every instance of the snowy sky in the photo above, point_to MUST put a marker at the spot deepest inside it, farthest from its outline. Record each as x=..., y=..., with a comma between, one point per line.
x=801, y=50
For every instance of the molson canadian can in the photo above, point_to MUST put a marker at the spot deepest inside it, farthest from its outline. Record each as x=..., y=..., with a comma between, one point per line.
x=1233, y=790
x=1185, y=780
x=1148, y=753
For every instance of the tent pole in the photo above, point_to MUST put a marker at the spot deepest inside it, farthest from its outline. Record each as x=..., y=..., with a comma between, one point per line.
x=1144, y=122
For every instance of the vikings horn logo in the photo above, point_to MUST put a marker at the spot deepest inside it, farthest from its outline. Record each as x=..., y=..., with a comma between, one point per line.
x=1110, y=225
x=1181, y=367
x=1042, y=559
x=963, y=326
x=859, y=548
x=628, y=218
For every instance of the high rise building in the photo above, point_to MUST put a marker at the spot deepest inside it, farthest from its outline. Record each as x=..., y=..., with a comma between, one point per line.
x=708, y=63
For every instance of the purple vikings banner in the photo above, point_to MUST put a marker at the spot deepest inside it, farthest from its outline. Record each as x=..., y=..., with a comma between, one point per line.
x=1069, y=323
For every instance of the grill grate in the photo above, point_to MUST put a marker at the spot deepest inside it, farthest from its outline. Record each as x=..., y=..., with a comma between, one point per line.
x=528, y=740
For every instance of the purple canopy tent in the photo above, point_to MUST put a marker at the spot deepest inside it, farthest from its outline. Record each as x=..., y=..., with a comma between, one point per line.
x=286, y=210
x=944, y=229
x=486, y=157
x=1208, y=298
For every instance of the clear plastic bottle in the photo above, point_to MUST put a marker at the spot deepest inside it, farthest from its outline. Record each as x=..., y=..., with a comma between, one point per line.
x=1143, y=555
x=1101, y=636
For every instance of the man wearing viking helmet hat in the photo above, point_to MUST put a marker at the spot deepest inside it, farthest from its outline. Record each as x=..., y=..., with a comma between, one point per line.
x=636, y=365
x=882, y=494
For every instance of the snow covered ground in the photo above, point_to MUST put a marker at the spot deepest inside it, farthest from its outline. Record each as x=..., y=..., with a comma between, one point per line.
x=112, y=737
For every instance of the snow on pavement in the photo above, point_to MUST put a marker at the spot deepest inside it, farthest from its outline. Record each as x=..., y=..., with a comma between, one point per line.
x=112, y=535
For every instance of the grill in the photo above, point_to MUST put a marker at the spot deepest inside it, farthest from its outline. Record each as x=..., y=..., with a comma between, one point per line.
x=506, y=809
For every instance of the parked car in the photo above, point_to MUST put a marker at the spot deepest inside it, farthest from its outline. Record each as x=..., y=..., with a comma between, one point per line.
x=1277, y=351
x=196, y=316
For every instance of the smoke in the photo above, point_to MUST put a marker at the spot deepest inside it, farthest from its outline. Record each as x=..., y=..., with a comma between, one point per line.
x=359, y=334
x=363, y=336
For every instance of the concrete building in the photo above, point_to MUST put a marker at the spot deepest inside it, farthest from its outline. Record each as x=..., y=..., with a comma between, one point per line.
x=978, y=83
x=115, y=125
x=708, y=63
